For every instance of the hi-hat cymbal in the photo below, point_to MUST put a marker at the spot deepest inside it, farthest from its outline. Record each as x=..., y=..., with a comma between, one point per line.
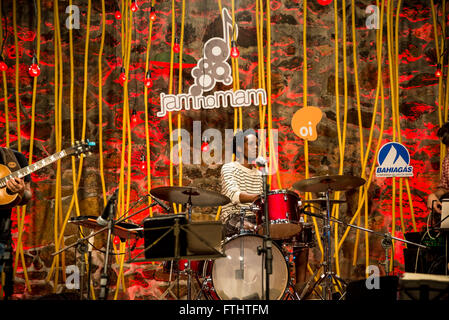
x=123, y=230
x=190, y=195
x=332, y=183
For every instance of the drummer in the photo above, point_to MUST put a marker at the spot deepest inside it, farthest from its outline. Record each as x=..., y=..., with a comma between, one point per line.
x=241, y=182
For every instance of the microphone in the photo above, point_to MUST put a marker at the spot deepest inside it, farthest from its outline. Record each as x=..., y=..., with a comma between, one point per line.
x=108, y=209
x=159, y=202
x=261, y=162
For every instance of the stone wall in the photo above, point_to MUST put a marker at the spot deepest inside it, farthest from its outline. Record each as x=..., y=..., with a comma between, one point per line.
x=418, y=112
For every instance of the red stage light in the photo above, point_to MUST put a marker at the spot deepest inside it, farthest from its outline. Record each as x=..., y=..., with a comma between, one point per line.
x=176, y=47
x=134, y=117
x=118, y=15
x=148, y=81
x=235, y=53
x=152, y=14
x=34, y=70
x=3, y=65
x=438, y=72
x=122, y=77
x=116, y=240
x=205, y=146
x=324, y=2
x=134, y=6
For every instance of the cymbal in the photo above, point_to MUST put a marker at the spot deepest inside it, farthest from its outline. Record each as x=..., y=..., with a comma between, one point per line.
x=323, y=201
x=190, y=195
x=332, y=183
x=123, y=230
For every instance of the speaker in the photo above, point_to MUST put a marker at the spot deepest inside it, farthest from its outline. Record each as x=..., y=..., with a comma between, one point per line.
x=386, y=291
x=423, y=287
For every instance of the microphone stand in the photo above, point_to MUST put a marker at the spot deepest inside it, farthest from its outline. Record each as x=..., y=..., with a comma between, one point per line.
x=267, y=241
x=104, y=277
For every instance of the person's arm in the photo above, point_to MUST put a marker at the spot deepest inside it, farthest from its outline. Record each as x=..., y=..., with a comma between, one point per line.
x=231, y=188
x=247, y=197
x=433, y=201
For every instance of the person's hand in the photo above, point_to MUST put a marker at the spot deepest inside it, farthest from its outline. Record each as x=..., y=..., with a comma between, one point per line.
x=16, y=185
x=433, y=203
x=248, y=226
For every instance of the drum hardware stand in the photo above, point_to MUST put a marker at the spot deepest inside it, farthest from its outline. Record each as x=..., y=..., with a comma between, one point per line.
x=189, y=270
x=387, y=242
x=204, y=290
x=387, y=239
x=267, y=241
x=109, y=227
x=176, y=231
x=328, y=275
x=169, y=289
x=82, y=249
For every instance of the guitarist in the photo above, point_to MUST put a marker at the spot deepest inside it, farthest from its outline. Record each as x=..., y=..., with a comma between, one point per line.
x=14, y=160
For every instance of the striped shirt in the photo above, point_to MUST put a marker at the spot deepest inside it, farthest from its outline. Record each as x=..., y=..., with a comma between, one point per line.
x=235, y=178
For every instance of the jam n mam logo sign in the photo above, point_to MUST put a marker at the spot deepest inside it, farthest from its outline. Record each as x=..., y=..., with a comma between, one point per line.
x=394, y=161
x=213, y=67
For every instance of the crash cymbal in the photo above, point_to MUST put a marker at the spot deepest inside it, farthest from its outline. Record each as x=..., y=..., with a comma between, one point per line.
x=195, y=196
x=323, y=201
x=332, y=183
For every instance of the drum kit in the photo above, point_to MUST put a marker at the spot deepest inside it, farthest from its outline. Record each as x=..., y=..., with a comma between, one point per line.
x=236, y=267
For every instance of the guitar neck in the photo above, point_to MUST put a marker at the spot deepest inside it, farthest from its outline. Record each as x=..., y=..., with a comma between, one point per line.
x=33, y=167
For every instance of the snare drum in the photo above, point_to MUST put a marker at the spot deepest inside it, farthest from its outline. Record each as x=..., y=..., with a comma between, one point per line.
x=240, y=275
x=195, y=265
x=283, y=213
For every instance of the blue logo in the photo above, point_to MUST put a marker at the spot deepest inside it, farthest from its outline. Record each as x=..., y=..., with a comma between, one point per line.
x=394, y=161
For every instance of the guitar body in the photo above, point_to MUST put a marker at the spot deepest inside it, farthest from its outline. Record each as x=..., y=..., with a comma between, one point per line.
x=6, y=200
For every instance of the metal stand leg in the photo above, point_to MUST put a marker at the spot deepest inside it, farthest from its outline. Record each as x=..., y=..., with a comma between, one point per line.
x=104, y=277
x=327, y=277
x=82, y=249
x=172, y=284
x=386, y=244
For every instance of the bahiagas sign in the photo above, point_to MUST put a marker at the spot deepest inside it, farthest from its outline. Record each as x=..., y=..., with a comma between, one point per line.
x=212, y=68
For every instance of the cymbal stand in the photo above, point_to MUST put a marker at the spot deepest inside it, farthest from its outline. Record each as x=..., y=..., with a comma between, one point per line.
x=104, y=277
x=188, y=270
x=82, y=249
x=328, y=275
x=387, y=242
x=387, y=238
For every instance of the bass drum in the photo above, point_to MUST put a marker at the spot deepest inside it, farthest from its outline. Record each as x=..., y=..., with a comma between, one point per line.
x=241, y=274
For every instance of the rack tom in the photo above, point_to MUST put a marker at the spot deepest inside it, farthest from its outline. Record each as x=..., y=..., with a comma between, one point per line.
x=283, y=213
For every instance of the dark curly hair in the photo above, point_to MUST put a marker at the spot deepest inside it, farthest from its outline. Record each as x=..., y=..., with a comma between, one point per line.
x=443, y=134
x=239, y=137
